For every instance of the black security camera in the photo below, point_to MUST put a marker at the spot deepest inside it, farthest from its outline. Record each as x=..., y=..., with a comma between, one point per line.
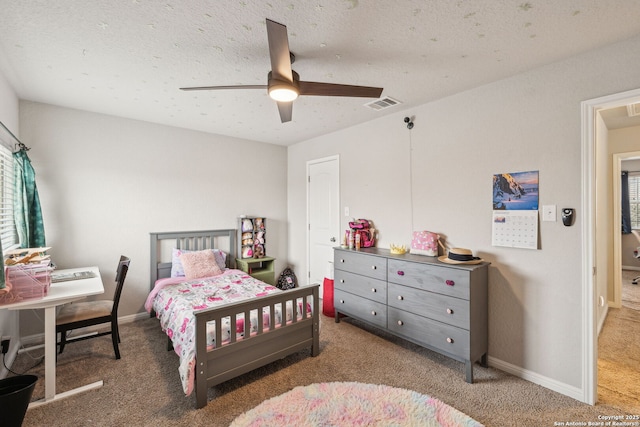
x=409, y=123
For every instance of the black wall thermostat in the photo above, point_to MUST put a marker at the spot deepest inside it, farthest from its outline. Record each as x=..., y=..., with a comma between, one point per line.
x=567, y=216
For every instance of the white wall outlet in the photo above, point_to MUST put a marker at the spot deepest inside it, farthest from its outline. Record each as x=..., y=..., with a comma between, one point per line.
x=549, y=213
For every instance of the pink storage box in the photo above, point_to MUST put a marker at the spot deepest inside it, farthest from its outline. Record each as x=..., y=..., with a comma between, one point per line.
x=27, y=282
x=424, y=243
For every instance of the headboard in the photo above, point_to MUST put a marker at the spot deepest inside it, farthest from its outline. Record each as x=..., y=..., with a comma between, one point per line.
x=163, y=243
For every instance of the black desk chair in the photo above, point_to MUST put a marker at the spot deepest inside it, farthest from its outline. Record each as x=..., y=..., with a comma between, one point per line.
x=89, y=313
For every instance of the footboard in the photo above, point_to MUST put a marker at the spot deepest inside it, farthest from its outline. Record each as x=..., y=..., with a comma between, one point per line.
x=240, y=356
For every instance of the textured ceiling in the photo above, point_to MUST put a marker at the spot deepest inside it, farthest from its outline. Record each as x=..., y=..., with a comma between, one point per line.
x=129, y=57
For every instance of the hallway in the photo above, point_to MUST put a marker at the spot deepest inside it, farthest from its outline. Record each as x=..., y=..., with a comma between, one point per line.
x=619, y=351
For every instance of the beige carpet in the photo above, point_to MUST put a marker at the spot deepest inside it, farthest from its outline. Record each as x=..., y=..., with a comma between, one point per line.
x=143, y=388
x=630, y=292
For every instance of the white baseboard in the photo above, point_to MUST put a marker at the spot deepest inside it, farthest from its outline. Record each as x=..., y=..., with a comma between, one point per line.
x=133, y=317
x=603, y=318
x=551, y=384
x=39, y=338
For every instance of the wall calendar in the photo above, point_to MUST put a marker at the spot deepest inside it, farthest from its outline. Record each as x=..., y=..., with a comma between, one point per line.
x=515, y=229
x=515, y=210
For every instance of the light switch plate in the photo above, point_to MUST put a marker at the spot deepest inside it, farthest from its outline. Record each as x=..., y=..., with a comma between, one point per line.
x=549, y=213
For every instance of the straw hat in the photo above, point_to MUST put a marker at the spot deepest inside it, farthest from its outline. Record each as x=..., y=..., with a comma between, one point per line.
x=460, y=256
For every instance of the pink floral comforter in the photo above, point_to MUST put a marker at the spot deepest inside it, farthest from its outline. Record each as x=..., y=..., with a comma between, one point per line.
x=174, y=301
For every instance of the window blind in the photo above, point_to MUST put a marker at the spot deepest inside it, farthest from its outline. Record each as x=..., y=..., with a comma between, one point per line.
x=8, y=233
x=634, y=199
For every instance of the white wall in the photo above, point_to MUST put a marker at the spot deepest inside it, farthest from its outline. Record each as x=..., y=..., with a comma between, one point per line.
x=529, y=122
x=8, y=116
x=8, y=106
x=105, y=183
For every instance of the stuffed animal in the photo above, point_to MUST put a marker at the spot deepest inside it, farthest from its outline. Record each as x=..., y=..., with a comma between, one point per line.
x=247, y=225
x=258, y=251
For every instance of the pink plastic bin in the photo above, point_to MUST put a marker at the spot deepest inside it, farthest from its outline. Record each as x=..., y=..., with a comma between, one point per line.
x=27, y=282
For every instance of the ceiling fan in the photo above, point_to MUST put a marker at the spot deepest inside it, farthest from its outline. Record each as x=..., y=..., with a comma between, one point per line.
x=284, y=84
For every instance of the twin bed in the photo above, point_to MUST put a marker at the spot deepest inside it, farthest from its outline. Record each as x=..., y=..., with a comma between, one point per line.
x=202, y=306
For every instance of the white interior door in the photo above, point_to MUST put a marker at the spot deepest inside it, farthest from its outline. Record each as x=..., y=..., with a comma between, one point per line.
x=323, y=213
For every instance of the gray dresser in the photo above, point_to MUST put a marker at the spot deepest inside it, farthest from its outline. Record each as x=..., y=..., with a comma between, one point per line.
x=439, y=306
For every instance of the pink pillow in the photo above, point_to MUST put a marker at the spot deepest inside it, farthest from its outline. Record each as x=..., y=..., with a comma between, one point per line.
x=199, y=264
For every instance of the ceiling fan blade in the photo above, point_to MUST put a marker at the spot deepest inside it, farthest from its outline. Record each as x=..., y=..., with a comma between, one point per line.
x=279, y=51
x=331, y=89
x=225, y=87
x=286, y=111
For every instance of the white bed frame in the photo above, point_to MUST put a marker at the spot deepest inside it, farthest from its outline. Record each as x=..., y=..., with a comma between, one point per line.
x=228, y=361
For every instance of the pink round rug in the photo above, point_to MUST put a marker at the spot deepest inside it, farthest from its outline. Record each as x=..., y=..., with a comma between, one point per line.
x=353, y=404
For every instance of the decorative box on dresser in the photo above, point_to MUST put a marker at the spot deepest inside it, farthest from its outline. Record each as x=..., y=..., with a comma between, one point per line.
x=439, y=306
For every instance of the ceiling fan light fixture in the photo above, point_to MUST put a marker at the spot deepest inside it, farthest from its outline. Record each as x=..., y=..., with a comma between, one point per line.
x=283, y=92
x=283, y=83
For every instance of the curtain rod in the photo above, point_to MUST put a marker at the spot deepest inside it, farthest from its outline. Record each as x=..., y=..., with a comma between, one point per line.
x=18, y=142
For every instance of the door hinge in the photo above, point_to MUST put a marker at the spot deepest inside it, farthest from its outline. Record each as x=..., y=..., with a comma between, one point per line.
x=594, y=271
x=309, y=274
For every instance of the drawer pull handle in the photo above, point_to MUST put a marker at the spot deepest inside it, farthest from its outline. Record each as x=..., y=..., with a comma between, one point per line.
x=373, y=290
x=373, y=312
x=400, y=273
x=449, y=311
x=341, y=280
x=341, y=301
x=450, y=282
x=400, y=297
x=400, y=322
x=373, y=267
x=341, y=260
x=450, y=340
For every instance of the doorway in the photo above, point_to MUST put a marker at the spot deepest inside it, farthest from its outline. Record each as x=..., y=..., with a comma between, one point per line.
x=595, y=267
x=323, y=216
x=618, y=159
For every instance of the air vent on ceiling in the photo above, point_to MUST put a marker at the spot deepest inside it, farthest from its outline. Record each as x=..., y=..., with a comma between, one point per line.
x=382, y=103
x=633, y=109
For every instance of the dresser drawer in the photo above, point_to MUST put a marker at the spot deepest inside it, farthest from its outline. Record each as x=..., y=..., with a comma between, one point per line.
x=446, y=309
x=361, y=308
x=447, y=281
x=367, y=265
x=429, y=332
x=363, y=286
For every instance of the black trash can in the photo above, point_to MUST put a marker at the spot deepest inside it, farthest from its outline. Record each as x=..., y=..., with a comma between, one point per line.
x=15, y=395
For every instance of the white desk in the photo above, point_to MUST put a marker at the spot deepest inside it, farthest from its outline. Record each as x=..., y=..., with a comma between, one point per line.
x=59, y=293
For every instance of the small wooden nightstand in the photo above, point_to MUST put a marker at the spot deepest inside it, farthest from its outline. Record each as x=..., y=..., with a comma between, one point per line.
x=260, y=268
